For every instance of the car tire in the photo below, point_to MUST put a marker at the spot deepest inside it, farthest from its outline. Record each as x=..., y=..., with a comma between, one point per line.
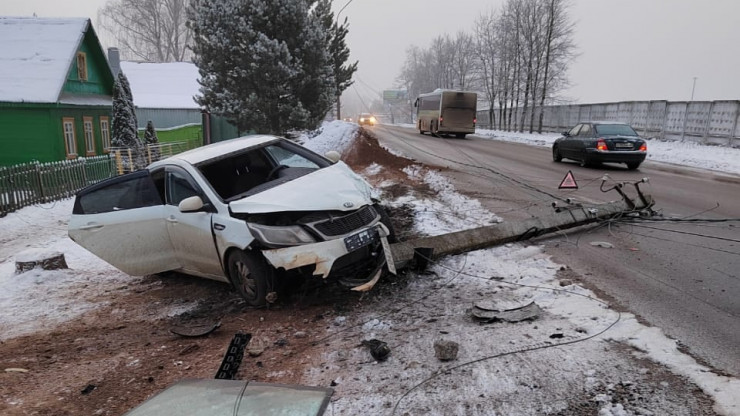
x=633, y=165
x=460, y=135
x=251, y=276
x=386, y=220
x=556, y=156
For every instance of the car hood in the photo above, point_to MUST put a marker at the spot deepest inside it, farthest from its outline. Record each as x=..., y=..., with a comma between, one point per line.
x=335, y=187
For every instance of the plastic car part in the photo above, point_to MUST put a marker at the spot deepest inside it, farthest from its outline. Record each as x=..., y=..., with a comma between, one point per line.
x=233, y=357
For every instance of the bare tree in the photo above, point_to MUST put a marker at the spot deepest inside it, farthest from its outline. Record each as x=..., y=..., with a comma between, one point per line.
x=487, y=48
x=518, y=57
x=149, y=30
x=559, y=48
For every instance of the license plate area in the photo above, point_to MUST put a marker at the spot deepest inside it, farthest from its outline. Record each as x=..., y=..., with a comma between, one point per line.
x=361, y=239
x=623, y=145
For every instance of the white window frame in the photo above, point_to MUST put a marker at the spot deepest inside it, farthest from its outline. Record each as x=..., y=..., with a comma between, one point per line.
x=105, y=133
x=89, y=131
x=70, y=140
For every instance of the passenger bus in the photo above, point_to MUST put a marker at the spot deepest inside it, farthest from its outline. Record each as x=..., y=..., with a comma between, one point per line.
x=446, y=112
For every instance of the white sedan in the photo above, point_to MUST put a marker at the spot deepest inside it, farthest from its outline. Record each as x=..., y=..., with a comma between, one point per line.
x=249, y=211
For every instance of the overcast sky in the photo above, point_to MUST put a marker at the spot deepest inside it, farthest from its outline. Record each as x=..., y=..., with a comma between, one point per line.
x=628, y=49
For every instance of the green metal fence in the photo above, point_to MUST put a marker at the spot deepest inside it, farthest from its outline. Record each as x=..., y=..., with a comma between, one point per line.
x=31, y=183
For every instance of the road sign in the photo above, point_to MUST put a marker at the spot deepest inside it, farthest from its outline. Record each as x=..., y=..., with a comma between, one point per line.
x=569, y=182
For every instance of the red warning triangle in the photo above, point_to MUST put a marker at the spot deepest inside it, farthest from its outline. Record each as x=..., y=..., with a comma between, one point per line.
x=569, y=182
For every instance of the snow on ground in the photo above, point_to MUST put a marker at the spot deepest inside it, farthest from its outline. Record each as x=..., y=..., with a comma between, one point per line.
x=40, y=300
x=723, y=159
x=445, y=210
x=337, y=136
x=522, y=274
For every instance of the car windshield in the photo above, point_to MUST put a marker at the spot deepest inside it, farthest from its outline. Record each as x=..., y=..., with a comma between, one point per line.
x=614, y=130
x=257, y=169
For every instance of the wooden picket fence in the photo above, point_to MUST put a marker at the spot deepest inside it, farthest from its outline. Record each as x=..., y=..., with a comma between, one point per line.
x=31, y=183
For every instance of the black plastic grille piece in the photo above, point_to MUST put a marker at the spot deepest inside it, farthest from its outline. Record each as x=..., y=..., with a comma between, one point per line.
x=348, y=223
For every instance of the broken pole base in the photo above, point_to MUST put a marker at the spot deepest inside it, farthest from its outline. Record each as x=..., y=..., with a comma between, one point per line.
x=48, y=260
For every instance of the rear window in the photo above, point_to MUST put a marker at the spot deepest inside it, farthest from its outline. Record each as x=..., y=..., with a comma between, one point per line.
x=615, y=130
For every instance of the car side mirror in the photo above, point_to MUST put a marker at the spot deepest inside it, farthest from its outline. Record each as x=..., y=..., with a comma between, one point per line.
x=191, y=204
x=333, y=155
x=566, y=134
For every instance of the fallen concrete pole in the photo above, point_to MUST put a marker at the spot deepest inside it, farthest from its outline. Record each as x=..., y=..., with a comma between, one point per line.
x=502, y=233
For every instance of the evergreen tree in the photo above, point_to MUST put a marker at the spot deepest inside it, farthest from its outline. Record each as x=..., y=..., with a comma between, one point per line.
x=264, y=64
x=151, y=141
x=125, y=127
x=124, y=119
x=338, y=50
x=150, y=135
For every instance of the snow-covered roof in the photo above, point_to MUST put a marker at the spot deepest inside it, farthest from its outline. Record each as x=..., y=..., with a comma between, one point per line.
x=162, y=85
x=36, y=55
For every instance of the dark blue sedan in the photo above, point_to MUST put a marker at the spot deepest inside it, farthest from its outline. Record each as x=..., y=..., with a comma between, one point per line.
x=594, y=143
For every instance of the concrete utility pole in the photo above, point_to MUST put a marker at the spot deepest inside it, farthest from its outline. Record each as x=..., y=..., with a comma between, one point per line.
x=498, y=234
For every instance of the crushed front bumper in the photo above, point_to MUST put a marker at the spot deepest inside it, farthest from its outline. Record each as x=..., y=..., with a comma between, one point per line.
x=324, y=254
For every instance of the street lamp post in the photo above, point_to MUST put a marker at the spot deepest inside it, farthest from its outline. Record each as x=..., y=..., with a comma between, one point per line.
x=693, y=88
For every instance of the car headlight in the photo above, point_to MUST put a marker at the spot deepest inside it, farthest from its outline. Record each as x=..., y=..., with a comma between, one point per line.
x=280, y=236
x=372, y=119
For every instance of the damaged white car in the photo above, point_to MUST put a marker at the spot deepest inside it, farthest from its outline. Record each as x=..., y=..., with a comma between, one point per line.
x=249, y=211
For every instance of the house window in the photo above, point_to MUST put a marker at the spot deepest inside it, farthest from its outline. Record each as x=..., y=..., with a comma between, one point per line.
x=105, y=133
x=87, y=123
x=82, y=66
x=70, y=142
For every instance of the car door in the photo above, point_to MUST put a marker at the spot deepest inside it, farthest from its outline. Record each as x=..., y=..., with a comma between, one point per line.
x=190, y=232
x=584, y=138
x=568, y=144
x=121, y=220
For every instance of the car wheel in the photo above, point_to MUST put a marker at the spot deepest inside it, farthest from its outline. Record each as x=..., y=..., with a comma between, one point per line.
x=386, y=220
x=633, y=165
x=251, y=276
x=556, y=156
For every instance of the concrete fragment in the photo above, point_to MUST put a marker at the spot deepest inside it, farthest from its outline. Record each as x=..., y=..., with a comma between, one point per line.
x=446, y=350
x=602, y=244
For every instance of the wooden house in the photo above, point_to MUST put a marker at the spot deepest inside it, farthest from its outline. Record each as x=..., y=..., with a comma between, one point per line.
x=55, y=90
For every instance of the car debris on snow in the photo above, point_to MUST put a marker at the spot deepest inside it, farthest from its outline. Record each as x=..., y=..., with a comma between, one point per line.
x=194, y=331
x=487, y=312
x=378, y=349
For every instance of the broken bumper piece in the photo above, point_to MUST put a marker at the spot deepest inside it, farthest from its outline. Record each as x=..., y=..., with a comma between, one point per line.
x=326, y=253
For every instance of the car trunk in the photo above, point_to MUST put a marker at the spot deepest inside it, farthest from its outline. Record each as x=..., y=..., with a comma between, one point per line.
x=623, y=143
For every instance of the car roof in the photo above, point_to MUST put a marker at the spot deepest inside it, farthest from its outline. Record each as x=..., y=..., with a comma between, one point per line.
x=215, y=150
x=605, y=122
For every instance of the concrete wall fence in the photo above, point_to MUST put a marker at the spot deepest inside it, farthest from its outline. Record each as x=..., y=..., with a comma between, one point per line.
x=706, y=122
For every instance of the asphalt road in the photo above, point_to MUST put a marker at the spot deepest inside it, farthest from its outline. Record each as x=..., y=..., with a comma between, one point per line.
x=682, y=277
